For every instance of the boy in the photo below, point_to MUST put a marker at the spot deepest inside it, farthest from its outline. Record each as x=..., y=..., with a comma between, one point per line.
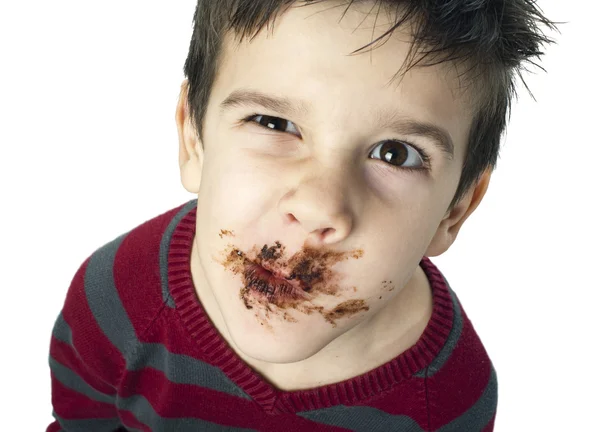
x=295, y=293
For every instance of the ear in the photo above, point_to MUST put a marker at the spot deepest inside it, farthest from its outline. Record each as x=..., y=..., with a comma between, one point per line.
x=450, y=225
x=191, y=151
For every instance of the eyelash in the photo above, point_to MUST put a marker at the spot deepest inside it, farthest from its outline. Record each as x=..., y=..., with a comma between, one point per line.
x=424, y=156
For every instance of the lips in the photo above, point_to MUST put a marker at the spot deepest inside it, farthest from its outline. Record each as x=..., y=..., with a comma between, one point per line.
x=274, y=286
x=281, y=276
x=277, y=273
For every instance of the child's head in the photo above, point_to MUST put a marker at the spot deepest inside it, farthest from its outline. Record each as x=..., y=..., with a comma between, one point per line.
x=289, y=135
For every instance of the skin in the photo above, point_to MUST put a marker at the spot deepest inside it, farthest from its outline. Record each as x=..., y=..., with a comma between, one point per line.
x=312, y=184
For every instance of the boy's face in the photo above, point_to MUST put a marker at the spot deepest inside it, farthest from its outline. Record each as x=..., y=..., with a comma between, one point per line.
x=324, y=186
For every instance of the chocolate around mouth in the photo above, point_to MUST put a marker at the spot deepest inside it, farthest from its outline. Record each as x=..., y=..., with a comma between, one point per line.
x=272, y=284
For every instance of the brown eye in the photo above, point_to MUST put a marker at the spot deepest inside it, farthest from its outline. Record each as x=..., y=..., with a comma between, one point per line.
x=271, y=122
x=397, y=153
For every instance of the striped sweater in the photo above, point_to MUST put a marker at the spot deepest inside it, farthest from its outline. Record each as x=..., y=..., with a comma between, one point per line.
x=133, y=350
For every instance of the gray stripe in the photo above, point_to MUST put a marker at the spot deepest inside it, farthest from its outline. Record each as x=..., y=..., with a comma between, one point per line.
x=164, y=251
x=362, y=418
x=369, y=419
x=145, y=414
x=62, y=331
x=183, y=369
x=449, y=345
x=71, y=380
x=89, y=425
x=103, y=298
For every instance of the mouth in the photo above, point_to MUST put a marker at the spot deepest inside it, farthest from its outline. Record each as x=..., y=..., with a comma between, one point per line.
x=274, y=285
x=293, y=283
x=277, y=273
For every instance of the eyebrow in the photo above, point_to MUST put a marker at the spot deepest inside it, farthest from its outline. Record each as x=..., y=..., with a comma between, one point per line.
x=384, y=118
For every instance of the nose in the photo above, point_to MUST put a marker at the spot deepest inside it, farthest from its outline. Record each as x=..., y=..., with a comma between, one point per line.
x=321, y=207
x=333, y=230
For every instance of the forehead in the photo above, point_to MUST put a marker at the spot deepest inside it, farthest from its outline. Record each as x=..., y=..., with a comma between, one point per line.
x=306, y=57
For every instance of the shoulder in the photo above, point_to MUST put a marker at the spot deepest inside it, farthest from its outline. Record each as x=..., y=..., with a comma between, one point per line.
x=462, y=384
x=131, y=270
x=121, y=287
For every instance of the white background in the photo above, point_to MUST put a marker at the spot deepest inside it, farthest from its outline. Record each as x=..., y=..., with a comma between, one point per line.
x=88, y=150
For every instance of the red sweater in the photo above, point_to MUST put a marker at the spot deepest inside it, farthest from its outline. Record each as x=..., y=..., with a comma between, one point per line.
x=133, y=349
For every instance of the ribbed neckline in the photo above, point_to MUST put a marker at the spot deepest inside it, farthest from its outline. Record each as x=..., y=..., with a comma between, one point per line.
x=348, y=392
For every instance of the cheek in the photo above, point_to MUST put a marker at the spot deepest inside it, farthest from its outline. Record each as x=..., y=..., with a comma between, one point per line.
x=233, y=185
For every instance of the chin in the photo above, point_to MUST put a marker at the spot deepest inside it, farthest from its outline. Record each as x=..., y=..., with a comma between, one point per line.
x=281, y=342
x=274, y=353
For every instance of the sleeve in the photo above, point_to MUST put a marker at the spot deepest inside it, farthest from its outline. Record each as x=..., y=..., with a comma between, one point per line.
x=85, y=366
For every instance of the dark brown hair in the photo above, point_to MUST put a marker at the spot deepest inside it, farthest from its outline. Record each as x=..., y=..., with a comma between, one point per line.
x=491, y=39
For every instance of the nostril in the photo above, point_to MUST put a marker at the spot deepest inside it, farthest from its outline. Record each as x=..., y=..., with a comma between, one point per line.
x=321, y=235
x=328, y=231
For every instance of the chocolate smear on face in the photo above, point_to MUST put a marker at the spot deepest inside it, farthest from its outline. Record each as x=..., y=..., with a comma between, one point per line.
x=274, y=284
x=347, y=308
